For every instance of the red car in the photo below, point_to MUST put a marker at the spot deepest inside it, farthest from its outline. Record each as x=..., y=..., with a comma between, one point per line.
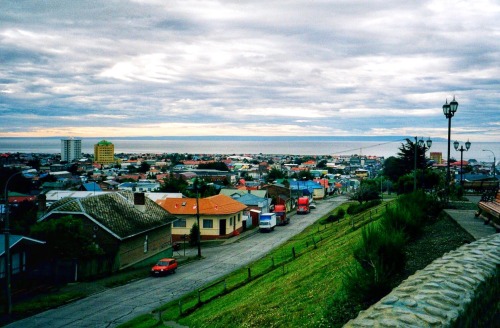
x=164, y=266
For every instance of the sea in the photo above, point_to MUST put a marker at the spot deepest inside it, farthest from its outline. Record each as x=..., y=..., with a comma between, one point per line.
x=367, y=146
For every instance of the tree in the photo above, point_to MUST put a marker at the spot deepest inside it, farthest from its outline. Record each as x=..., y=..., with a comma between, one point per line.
x=66, y=238
x=368, y=190
x=18, y=183
x=34, y=163
x=393, y=168
x=221, y=166
x=193, y=235
x=321, y=164
x=173, y=184
x=275, y=174
x=23, y=216
x=144, y=167
x=305, y=175
x=73, y=169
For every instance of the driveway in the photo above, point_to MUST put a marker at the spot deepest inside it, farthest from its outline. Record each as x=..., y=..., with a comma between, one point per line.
x=121, y=304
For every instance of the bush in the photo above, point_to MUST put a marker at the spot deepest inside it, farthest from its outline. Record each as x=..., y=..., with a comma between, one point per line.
x=335, y=217
x=381, y=255
x=358, y=208
x=193, y=235
x=400, y=218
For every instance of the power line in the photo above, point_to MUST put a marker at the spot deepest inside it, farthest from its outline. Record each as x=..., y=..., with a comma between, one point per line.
x=372, y=146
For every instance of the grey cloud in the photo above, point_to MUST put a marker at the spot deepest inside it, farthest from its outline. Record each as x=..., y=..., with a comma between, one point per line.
x=320, y=65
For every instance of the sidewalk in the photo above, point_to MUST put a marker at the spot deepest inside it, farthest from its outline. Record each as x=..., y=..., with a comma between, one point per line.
x=469, y=222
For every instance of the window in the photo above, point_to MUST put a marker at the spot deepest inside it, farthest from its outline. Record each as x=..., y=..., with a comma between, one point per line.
x=181, y=223
x=239, y=217
x=208, y=224
x=231, y=221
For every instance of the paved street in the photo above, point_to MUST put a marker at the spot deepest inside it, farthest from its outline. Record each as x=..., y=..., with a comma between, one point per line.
x=118, y=305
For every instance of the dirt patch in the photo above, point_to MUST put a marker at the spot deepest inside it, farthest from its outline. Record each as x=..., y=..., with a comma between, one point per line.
x=438, y=238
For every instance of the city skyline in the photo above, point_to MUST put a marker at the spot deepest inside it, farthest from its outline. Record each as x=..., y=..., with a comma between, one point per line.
x=184, y=68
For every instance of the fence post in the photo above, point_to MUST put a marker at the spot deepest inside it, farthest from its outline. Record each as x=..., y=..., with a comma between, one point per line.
x=199, y=296
x=293, y=252
x=249, y=274
x=225, y=285
x=272, y=258
x=314, y=242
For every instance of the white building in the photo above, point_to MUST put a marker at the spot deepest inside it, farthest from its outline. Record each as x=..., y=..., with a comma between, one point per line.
x=71, y=149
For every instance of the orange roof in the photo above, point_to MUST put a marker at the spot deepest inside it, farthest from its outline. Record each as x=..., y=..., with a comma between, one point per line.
x=214, y=205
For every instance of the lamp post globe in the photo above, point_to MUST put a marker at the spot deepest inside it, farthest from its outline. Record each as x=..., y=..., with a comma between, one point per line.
x=449, y=111
x=461, y=150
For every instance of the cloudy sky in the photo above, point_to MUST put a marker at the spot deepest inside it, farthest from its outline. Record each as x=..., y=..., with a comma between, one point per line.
x=256, y=67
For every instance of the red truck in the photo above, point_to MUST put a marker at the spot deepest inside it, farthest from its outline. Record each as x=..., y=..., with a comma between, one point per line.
x=303, y=205
x=281, y=218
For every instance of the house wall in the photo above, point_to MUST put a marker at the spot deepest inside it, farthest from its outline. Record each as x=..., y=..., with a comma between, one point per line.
x=144, y=246
x=209, y=233
x=131, y=250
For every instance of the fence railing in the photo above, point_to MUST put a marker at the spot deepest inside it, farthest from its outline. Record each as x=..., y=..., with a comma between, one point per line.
x=274, y=263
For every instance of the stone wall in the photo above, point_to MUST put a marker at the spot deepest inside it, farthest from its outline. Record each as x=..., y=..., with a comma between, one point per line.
x=442, y=294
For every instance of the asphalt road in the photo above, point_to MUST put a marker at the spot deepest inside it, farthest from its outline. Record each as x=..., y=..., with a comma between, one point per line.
x=121, y=304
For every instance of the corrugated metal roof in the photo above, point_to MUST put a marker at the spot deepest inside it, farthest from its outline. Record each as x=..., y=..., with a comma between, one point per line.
x=214, y=205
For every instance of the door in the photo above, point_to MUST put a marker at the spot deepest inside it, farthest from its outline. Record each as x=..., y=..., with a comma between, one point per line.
x=222, y=227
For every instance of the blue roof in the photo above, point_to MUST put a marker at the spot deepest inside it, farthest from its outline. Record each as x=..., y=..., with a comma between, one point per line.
x=91, y=186
x=249, y=199
x=15, y=239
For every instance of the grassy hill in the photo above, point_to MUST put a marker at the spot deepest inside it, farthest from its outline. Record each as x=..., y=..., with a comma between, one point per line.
x=283, y=290
x=292, y=293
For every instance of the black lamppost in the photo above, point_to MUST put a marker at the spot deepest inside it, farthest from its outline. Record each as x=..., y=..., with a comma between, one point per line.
x=420, y=143
x=198, y=217
x=494, y=162
x=449, y=110
x=461, y=150
x=426, y=145
x=8, y=270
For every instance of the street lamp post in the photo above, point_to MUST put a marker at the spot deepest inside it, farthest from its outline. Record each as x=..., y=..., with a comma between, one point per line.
x=426, y=145
x=8, y=272
x=415, y=165
x=449, y=111
x=461, y=150
x=420, y=143
x=494, y=162
x=198, y=241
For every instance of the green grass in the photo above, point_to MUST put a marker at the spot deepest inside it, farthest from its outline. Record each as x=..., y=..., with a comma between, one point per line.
x=44, y=302
x=293, y=293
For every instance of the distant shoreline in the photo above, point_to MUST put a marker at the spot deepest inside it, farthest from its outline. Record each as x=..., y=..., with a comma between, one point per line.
x=244, y=138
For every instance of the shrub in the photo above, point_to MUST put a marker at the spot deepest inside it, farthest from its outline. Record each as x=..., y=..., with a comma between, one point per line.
x=402, y=219
x=335, y=217
x=358, y=208
x=193, y=235
x=380, y=254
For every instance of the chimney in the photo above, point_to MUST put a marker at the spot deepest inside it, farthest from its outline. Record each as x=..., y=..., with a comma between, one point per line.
x=140, y=201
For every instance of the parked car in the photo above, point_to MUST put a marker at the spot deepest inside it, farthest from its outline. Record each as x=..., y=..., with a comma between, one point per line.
x=164, y=266
x=312, y=205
